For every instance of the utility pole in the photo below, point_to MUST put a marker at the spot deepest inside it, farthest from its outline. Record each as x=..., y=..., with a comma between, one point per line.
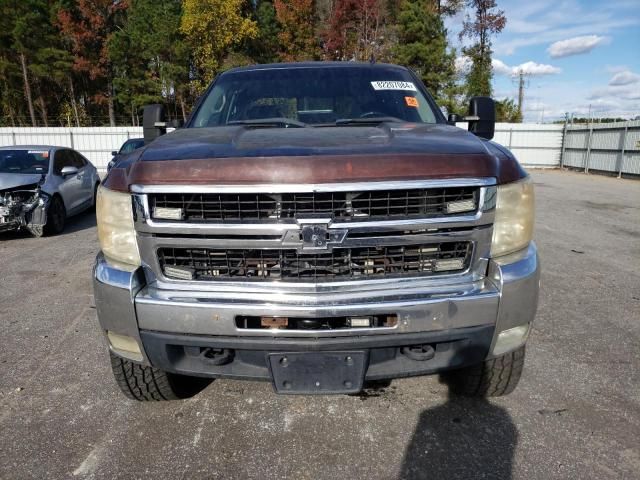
x=520, y=90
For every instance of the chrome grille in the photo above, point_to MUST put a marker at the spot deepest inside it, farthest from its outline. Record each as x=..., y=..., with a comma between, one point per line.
x=291, y=265
x=341, y=206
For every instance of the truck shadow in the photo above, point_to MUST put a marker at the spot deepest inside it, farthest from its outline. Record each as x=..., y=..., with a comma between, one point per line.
x=463, y=438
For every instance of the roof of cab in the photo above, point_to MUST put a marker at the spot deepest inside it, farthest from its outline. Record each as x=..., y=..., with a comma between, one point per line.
x=321, y=64
x=30, y=147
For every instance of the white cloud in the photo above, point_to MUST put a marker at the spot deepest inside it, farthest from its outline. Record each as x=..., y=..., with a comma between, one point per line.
x=528, y=68
x=624, y=77
x=462, y=64
x=575, y=45
x=500, y=67
x=533, y=68
x=544, y=22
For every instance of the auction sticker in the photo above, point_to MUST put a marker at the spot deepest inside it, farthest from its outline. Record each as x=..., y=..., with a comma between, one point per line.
x=393, y=85
x=411, y=102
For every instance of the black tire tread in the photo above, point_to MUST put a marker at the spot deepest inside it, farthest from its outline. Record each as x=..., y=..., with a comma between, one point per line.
x=491, y=378
x=145, y=383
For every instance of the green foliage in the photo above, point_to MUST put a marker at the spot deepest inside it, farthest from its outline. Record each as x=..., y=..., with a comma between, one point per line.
x=422, y=46
x=94, y=62
x=507, y=111
x=150, y=56
x=265, y=46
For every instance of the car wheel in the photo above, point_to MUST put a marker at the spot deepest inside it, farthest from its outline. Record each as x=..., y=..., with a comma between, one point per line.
x=492, y=378
x=56, y=217
x=145, y=383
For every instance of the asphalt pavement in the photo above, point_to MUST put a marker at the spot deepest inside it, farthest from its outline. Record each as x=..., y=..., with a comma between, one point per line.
x=575, y=414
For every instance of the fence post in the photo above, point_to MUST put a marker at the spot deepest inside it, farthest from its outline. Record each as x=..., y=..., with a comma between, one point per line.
x=588, y=159
x=13, y=137
x=510, y=135
x=563, y=145
x=624, y=143
x=71, y=139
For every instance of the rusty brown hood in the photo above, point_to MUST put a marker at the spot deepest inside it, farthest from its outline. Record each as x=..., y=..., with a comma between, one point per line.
x=238, y=155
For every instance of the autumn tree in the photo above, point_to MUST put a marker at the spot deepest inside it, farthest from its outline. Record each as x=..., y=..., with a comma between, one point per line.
x=297, y=35
x=357, y=30
x=89, y=26
x=487, y=21
x=211, y=28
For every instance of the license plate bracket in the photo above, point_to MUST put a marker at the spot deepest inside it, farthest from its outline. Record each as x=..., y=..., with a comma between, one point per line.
x=318, y=373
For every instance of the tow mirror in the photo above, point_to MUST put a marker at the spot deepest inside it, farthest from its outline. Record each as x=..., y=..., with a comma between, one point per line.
x=482, y=117
x=153, y=122
x=68, y=171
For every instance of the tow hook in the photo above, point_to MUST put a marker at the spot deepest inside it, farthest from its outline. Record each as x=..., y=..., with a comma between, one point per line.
x=216, y=356
x=419, y=353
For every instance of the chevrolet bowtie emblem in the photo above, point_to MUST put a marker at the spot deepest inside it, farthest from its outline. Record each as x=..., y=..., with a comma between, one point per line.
x=320, y=237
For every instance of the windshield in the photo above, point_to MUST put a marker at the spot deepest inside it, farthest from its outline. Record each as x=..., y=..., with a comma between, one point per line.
x=131, y=145
x=24, y=161
x=315, y=96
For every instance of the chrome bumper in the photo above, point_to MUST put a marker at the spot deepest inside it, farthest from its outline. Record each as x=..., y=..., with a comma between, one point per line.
x=507, y=297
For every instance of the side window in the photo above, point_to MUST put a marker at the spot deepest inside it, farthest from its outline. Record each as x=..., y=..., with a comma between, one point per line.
x=78, y=160
x=61, y=160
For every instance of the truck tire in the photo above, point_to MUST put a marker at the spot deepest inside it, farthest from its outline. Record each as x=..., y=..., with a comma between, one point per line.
x=145, y=383
x=491, y=378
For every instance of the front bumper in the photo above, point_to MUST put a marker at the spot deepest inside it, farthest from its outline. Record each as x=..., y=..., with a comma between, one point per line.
x=461, y=321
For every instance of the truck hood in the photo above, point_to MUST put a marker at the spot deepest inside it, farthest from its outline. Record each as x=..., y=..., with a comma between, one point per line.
x=239, y=141
x=271, y=156
x=13, y=180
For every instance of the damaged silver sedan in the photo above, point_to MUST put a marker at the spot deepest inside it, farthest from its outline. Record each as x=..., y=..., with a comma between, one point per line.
x=41, y=186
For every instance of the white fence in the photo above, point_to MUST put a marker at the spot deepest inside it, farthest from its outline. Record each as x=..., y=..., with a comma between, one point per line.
x=608, y=147
x=95, y=143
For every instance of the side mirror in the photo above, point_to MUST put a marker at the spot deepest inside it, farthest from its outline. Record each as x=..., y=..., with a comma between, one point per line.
x=153, y=122
x=114, y=153
x=482, y=117
x=68, y=171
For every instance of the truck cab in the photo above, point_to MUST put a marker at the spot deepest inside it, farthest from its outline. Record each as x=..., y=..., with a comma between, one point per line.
x=317, y=226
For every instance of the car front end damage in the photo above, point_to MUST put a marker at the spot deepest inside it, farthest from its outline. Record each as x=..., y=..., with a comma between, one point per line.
x=400, y=279
x=24, y=207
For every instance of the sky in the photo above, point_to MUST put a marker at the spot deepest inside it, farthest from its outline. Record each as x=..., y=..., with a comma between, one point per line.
x=577, y=56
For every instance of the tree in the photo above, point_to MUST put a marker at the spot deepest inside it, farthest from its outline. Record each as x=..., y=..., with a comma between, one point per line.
x=89, y=25
x=211, y=28
x=265, y=46
x=297, y=34
x=150, y=58
x=487, y=22
x=357, y=30
x=507, y=111
x=422, y=46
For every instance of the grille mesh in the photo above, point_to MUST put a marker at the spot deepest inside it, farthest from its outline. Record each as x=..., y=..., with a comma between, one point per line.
x=341, y=263
x=378, y=204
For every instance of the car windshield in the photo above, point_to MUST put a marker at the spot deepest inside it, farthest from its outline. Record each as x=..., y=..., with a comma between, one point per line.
x=24, y=161
x=301, y=96
x=131, y=145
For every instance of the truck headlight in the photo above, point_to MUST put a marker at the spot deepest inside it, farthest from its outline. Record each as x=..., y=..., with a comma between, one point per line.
x=513, y=226
x=116, y=234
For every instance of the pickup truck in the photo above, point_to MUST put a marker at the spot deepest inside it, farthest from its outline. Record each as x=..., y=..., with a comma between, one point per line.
x=319, y=226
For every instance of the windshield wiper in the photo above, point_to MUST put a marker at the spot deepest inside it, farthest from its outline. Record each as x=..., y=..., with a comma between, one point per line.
x=270, y=122
x=368, y=121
